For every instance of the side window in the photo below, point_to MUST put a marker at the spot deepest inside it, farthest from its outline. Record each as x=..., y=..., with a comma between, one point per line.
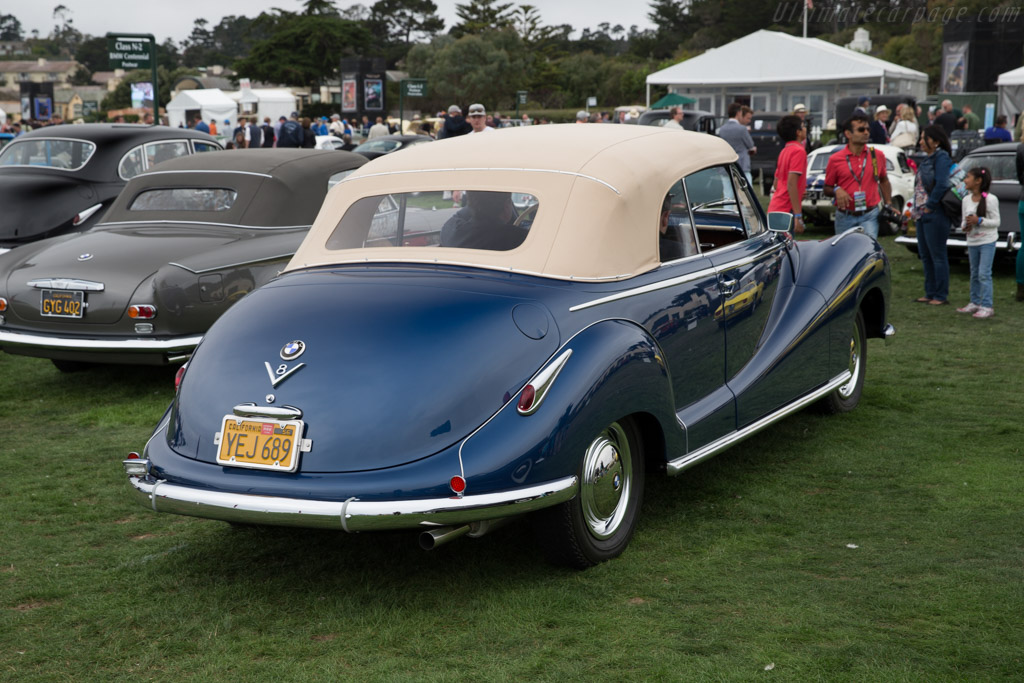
x=716, y=212
x=162, y=151
x=676, y=237
x=748, y=205
x=131, y=164
x=205, y=146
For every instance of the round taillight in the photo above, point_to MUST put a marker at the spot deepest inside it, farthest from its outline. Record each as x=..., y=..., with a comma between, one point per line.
x=3, y=304
x=133, y=456
x=178, y=376
x=526, y=398
x=141, y=311
x=457, y=484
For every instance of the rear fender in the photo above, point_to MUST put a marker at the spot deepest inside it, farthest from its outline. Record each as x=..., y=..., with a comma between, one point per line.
x=615, y=370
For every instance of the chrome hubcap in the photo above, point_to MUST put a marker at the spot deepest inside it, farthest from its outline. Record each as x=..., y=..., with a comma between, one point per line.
x=847, y=389
x=607, y=481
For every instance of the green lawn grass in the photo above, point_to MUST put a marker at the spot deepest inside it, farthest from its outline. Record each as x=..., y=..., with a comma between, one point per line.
x=886, y=544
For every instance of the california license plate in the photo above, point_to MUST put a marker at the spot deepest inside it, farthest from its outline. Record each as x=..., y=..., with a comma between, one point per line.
x=62, y=303
x=260, y=443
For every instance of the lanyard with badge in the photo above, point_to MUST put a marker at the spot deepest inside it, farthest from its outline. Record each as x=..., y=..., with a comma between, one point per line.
x=860, y=199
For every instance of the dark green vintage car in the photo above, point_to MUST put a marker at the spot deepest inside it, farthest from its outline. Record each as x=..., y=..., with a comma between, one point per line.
x=179, y=246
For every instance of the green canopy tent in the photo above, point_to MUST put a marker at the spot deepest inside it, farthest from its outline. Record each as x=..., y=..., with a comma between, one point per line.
x=672, y=100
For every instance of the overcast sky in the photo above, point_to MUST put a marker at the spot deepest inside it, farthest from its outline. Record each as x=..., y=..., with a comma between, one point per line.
x=175, y=18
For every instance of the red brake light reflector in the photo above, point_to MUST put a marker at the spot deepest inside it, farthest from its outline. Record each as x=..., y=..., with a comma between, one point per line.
x=3, y=304
x=178, y=376
x=133, y=456
x=526, y=398
x=457, y=484
x=142, y=311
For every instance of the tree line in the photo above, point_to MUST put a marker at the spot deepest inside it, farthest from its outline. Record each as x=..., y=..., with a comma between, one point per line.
x=497, y=48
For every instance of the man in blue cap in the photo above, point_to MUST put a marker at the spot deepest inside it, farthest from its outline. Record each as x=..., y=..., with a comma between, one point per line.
x=863, y=103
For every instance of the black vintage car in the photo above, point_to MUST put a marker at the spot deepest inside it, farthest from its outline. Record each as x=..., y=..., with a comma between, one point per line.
x=61, y=179
x=386, y=144
x=180, y=245
x=1000, y=159
x=693, y=119
x=763, y=131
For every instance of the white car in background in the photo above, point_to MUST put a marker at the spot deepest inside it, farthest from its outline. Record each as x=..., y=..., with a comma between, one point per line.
x=818, y=208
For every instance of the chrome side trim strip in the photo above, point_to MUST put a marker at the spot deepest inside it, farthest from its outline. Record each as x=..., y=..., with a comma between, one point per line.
x=682, y=279
x=653, y=287
x=66, y=283
x=224, y=225
x=180, y=344
x=258, y=175
x=747, y=260
x=352, y=514
x=845, y=233
x=232, y=265
x=449, y=170
x=714, y=448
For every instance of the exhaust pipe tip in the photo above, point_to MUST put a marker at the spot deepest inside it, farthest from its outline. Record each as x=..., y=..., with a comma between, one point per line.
x=441, y=535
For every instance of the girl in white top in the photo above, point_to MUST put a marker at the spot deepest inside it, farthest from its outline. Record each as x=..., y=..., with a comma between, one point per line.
x=906, y=125
x=981, y=224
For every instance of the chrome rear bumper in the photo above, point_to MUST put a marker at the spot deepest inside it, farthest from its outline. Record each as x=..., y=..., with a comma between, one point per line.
x=113, y=345
x=351, y=515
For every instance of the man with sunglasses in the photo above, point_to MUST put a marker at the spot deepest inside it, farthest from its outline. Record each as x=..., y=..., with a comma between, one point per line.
x=856, y=177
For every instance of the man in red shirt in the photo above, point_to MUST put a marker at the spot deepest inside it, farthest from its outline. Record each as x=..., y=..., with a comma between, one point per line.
x=856, y=177
x=791, y=170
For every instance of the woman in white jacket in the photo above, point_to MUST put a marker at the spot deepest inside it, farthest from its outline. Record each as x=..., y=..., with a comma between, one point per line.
x=904, y=134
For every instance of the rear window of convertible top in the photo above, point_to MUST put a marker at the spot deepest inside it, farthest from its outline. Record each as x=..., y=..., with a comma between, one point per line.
x=184, y=199
x=474, y=219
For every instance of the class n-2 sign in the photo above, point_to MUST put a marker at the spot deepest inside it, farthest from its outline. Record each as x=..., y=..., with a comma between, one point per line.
x=129, y=53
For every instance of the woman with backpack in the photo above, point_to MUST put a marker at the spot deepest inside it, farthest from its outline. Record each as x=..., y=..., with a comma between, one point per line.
x=932, y=222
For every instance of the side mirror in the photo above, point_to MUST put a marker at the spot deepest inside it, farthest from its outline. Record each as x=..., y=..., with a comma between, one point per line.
x=780, y=221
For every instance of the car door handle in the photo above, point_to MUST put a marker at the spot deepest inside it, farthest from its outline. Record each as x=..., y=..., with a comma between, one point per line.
x=729, y=286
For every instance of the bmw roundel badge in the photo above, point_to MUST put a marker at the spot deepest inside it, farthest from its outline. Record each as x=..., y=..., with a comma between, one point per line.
x=293, y=350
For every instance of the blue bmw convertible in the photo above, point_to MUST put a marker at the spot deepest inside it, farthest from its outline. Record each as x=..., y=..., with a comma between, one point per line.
x=526, y=324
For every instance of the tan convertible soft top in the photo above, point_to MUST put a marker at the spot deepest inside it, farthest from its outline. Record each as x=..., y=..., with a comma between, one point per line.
x=600, y=188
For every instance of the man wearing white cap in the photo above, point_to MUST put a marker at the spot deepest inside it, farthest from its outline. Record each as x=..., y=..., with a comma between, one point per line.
x=478, y=119
x=582, y=117
x=880, y=127
x=800, y=109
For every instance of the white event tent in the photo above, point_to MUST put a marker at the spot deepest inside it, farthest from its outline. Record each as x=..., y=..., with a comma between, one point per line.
x=264, y=102
x=210, y=103
x=1011, y=93
x=774, y=71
